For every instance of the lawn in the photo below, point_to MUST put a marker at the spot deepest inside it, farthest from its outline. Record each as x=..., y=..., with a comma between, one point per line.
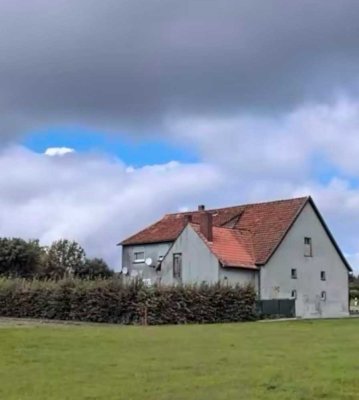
x=252, y=361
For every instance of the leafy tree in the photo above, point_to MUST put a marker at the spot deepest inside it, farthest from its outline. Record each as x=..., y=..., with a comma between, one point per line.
x=64, y=258
x=94, y=268
x=19, y=257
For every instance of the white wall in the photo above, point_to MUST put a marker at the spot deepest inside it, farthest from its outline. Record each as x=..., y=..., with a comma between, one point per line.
x=153, y=251
x=276, y=279
x=198, y=263
x=238, y=276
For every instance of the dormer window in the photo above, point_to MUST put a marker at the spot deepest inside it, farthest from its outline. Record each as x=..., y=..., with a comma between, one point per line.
x=308, y=248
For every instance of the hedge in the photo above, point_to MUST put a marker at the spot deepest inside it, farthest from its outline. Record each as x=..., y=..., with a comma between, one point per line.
x=112, y=301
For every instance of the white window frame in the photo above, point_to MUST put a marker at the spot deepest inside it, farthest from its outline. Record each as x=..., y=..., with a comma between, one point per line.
x=139, y=260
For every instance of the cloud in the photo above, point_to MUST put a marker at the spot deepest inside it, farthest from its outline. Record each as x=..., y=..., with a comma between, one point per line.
x=267, y=93
x=125, y=66
x=91, y=198
x=99, y=200
x=311, y=139
x=58, y=151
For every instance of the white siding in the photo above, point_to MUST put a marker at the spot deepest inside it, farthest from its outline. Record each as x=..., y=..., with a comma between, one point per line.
x=153, y=251
x=198, y=263
x=276, y=279
x=238, y=276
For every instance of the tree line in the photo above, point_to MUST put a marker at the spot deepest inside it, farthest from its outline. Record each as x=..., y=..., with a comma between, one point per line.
x=63, y=258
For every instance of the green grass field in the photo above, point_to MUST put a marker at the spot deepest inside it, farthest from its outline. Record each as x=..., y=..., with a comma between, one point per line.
x=281, y=360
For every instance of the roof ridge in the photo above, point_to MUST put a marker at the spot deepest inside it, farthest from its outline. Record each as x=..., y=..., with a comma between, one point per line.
x=240, y=205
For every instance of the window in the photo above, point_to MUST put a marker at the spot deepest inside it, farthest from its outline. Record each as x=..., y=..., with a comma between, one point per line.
x=160, y=258
x=308, y=248
x=294, y=273
x=323, y=276
x=177, y=265
x=139, y=257
x=323, y=296
x=294, y=294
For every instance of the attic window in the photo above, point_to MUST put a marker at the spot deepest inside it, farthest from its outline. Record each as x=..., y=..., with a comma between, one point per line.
x=308, y=248
x=139, y=257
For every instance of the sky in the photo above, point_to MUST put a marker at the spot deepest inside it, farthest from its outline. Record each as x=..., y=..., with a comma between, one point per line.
x=114, y=113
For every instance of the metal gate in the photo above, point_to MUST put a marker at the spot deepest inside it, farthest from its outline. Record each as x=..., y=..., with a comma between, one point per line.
x=284, y=308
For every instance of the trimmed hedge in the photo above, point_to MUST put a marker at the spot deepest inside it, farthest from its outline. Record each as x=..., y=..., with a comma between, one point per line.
x=112, y=301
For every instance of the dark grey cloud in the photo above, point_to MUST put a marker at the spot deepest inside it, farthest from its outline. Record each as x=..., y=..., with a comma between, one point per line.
x=118, y=64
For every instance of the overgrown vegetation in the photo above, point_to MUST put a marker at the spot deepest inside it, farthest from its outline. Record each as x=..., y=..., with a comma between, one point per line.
x=28, y=259
x=134, y=303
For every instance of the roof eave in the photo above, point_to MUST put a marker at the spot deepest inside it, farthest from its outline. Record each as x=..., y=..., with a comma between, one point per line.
x=124, y=243
x=286, y=232
x=249, y=267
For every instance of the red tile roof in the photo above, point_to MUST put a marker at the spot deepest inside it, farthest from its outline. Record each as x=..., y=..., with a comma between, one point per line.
x=244, y=235
x=232, y=247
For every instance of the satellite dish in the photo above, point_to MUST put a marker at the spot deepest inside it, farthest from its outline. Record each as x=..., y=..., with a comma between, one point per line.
x=125, y=270
x=149, y=262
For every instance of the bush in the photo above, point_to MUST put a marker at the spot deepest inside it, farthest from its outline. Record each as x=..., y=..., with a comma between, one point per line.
x=112, y=301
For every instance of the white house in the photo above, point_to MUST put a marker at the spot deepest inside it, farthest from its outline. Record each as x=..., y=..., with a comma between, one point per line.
x=283, y=248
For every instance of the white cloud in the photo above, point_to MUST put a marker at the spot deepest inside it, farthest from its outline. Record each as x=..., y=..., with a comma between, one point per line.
x=58, y=151
x=99, y=201
x=90, y=198
x=283, y=146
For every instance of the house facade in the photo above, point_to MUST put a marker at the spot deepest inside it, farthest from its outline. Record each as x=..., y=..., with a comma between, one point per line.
x=284, y=249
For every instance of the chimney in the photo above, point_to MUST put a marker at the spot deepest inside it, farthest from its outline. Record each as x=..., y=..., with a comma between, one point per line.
x=187, y=219
x=201, y=207
x=206, y=225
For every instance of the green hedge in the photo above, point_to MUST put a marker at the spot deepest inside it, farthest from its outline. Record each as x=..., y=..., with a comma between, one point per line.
x=112, y=301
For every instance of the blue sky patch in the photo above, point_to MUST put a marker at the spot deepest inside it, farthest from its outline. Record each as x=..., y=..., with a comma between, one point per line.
x=137, y=152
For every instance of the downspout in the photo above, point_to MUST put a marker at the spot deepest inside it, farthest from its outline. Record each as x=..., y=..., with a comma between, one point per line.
x=259, y=283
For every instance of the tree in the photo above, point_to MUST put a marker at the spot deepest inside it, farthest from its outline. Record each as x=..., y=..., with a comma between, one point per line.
x=94, y=268
x=19, y=257
x=64, y=257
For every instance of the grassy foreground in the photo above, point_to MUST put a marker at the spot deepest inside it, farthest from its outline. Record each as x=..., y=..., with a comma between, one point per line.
x=282, y=360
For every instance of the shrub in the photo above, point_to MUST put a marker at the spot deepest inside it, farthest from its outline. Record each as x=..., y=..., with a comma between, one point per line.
x=113, y=301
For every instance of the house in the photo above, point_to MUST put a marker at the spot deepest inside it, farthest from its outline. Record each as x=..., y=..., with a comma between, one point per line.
x=283, y=248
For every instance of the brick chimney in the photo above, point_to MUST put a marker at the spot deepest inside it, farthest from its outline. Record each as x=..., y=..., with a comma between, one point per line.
x=206, y=225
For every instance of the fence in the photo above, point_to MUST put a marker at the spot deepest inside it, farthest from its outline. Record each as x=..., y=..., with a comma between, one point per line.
x=284, y=308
